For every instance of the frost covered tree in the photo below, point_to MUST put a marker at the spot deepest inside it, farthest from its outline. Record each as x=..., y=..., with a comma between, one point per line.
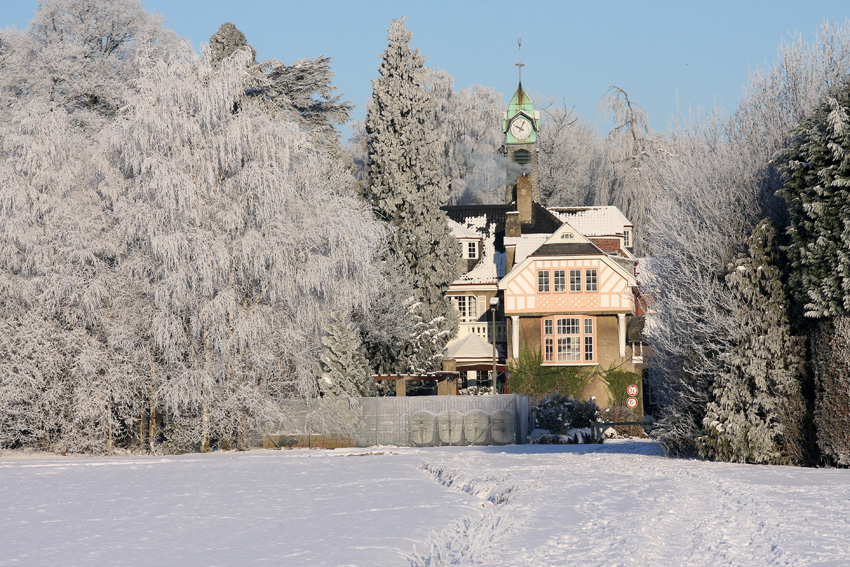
x=711, y=182
x=80, y=54
x=405, y=187
x=68, y=349
x=468, y=130
x=241, y=227
x=571, y=159
x=625, y=152
x=757, y=409
x=302, y=92
x=344, y=368
x=832, y=390
x=817, y=189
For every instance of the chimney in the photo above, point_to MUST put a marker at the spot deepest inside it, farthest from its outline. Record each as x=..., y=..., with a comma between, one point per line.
x=512, y=224
x=523, y=198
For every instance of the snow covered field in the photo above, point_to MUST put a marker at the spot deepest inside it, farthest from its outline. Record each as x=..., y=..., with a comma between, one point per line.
x=621, y=503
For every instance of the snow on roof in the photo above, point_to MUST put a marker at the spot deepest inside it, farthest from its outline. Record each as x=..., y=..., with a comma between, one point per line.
x=593, y=221
x=460, y=231
x=470, y=346
x=491, y=266
x=525, y=245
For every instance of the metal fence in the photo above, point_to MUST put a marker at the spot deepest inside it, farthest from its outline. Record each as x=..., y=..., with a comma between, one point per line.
x=405, y=421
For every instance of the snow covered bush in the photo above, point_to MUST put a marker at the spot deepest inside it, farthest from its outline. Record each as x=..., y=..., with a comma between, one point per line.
x=559, y=413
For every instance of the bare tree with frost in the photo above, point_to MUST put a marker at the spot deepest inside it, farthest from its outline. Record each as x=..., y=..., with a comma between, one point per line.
x=406, y=187
x=626, y=149
x=571, y=159
x=253, y=239
x=80, y=54
x=468, y=129
x=66, y=375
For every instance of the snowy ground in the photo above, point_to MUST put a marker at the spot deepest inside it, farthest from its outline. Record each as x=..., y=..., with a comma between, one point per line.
x=621, y=503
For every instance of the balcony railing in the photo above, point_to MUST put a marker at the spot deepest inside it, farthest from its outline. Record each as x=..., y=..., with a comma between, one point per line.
x=484, y=330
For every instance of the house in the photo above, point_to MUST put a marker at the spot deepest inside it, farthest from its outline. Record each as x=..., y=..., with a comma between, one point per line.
x=564, y=278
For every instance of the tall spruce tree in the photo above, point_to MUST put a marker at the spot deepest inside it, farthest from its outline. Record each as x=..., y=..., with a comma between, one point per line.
x=405, y=187
x=757, y=410
x=817, y=189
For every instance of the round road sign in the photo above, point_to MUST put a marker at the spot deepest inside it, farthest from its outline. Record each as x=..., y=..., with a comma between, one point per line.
x=632, y=403
x=632, y=390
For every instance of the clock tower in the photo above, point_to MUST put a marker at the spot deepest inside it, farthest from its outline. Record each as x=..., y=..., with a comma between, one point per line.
x=521, y=124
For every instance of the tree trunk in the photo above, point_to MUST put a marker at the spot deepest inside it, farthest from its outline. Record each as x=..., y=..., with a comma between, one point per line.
x=205, y=427
x=152, y=419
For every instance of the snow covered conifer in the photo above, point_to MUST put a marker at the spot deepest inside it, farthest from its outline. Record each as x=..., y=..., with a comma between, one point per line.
x=817, y=189
x=345, y=370
x=832, y=390
x=757, y=411
x=405, y=187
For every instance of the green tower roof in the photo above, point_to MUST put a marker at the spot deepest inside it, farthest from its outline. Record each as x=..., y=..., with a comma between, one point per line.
x=521, y=102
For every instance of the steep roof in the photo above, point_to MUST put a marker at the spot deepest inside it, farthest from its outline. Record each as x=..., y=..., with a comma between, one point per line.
x=470, y=346
x=542, y=220
x=461, y=231
x=593, y=221
x=567, y=249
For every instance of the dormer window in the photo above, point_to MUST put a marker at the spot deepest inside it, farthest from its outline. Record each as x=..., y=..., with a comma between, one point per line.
x=472, y=250
x=627, y=238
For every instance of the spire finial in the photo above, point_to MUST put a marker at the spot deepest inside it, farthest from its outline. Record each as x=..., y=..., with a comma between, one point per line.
x=520, y=64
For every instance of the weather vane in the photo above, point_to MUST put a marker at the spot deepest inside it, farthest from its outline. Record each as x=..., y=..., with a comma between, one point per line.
x=520, y=64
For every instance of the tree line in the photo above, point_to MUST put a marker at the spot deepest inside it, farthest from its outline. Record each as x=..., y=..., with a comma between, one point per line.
x=186, y=241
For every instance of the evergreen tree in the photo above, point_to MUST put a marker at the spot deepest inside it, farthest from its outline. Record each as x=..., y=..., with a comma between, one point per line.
x=405, y=188
x=817, y=189
x=345, y=370
x=832, y=390
x=303, y=92
x=757, y=410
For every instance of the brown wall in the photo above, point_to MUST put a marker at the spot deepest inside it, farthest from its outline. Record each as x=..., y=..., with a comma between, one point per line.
x=608, y=350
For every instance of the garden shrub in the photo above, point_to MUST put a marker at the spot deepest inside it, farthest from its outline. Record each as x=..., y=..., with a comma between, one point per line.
x=559, y=413
x=529, y=376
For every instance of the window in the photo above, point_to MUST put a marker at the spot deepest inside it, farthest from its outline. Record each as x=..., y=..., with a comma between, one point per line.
x=569, y=337
x=548, y=353
x=560, y=280
x=627, y=238
x=575, y=280
x=467, y=306
x=543, y=281
x=590, y=280
x=472, y=250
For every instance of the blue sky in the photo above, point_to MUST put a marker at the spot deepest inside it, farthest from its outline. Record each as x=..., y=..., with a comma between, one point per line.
x=663, y=53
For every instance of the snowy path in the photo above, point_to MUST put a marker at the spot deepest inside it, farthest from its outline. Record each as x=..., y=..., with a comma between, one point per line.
x=618, y=504
x=622, y=504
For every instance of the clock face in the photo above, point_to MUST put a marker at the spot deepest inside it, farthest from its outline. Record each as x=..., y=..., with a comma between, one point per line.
x=521, y=128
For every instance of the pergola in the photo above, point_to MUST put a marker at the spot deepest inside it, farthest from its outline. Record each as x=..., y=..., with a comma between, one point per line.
x=447, y=381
